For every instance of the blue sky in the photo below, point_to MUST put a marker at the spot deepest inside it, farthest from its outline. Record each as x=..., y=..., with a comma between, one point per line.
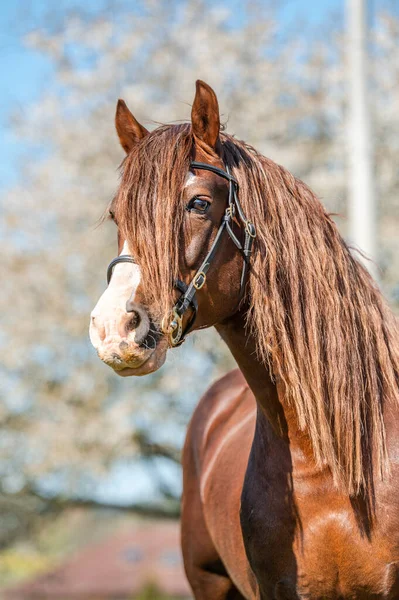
x=25, y=73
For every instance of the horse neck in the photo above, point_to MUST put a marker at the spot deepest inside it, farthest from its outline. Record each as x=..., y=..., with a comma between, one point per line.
x=276, y=419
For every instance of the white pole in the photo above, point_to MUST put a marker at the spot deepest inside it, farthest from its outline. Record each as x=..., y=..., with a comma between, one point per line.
x=362, y=213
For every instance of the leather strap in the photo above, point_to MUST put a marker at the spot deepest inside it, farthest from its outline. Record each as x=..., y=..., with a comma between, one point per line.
x=180, y=285
x=119, y=259
x=205, y=167
x=175, y=329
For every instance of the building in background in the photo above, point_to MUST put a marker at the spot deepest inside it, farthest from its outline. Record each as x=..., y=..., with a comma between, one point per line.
x=142, y=562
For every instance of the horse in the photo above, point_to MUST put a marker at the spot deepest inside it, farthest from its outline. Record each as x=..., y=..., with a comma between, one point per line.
x=290, y=466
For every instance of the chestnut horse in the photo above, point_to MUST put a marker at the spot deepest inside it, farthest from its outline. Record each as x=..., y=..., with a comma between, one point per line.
x=291, y=479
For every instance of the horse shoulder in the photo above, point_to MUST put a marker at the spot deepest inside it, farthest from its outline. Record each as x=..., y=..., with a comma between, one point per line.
x=216, y=453
x=218, y=416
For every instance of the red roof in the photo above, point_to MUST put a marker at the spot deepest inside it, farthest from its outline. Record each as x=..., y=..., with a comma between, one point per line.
x=119, y=567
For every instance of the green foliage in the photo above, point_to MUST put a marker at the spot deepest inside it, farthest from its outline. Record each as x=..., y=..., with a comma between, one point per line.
x=152, y=592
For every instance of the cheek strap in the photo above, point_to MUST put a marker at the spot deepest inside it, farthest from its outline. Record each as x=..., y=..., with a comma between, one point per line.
x=175, y=327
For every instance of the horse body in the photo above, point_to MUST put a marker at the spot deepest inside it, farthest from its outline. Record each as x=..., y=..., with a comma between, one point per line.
x=305, y=539
x=218, y=442
x=291, y=477
x=301, y=537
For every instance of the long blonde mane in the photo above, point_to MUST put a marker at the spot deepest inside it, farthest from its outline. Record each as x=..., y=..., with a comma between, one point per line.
x=319, y=321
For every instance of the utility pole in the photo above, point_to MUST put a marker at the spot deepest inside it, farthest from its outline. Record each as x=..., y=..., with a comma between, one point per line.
x=362, y=212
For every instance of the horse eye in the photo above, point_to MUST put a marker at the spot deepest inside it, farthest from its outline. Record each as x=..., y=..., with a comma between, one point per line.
x=198, y=205
x=111, y=215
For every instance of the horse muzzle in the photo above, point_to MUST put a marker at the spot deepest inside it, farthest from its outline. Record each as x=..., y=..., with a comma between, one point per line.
x=124, y=339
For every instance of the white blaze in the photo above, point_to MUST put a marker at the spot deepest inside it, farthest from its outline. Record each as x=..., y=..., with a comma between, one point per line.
x=190, y=179
x=108, y=318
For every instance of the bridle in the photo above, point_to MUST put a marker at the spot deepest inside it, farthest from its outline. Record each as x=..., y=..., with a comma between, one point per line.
x=174, y=328
x=188, y=298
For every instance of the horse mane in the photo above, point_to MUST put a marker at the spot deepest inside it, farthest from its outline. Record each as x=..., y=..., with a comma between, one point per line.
x=319, y=321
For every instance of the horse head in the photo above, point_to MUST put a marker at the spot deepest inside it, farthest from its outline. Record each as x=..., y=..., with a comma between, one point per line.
x=184, y=242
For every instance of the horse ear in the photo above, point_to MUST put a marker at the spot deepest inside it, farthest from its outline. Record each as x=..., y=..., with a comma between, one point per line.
x=128, y=129
x=205, y=120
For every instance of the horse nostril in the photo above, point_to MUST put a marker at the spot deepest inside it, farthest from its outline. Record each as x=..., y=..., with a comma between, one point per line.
x=139, y=321
x=123, y=346
x=134, y=322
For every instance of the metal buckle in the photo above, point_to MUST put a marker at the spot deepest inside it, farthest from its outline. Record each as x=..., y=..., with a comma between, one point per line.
x=199, y=285
x=250, y=229
x=173, y=328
